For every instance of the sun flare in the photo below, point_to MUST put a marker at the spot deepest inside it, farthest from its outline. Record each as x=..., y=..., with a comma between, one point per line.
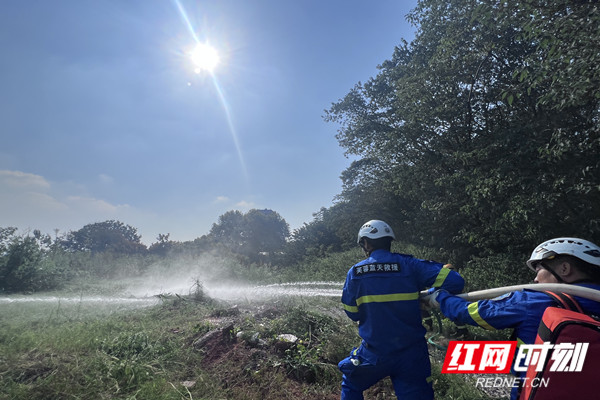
x=205, y=58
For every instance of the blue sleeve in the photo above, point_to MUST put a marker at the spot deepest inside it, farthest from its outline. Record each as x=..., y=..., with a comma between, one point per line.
x=349, y=299
x=508, y=311
x=450, y=281
x=438, y=276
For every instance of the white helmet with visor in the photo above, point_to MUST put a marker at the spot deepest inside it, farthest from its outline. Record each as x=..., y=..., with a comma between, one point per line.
x=375, y=229
x=580, y=248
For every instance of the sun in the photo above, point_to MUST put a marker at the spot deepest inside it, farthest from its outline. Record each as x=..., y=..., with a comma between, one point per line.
x=205, y=58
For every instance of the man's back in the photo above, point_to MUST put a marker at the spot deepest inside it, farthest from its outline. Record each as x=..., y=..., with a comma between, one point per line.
x=382, y=292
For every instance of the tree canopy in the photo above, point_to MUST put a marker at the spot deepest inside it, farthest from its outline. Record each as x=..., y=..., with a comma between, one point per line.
x=105, y=236
x=481, y=136
x=252, y=234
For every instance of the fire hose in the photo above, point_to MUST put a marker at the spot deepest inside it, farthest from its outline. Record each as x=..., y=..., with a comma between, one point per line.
x=574, y=290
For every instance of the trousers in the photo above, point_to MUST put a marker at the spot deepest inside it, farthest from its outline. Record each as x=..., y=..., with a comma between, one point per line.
x=409, y=370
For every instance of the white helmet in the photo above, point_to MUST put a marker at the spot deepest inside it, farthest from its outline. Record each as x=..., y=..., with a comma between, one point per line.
x=582, y=249
x=375, y=229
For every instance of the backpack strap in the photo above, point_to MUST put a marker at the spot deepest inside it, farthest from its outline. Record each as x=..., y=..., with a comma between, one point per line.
x=565, y=301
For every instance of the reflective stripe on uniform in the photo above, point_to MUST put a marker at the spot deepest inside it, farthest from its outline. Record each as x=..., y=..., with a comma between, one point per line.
x=352, y=309
x=474, y=313
x=384, y=298
x=439, y=280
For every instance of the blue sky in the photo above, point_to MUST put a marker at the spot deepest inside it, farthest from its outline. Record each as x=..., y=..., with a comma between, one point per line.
x=102, y=115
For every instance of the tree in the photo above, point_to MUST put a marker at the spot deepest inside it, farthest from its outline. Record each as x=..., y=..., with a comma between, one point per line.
x=229, y=230
x=162, y=245
x=317, y=238
x=107, y=236
x=466, y=127
x=252, y=234
x=22, y=260
x=563, y=33
x=26, y=264
x=266, y=231
x=6, y=235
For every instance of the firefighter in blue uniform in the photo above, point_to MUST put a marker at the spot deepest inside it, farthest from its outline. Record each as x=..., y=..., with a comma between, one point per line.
x=560, y=260
x=382, y=294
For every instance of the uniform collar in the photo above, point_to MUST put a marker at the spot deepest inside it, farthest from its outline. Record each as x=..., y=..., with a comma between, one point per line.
x=378, y=252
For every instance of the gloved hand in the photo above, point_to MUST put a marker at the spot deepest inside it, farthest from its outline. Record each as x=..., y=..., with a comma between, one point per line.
x=433, y=299
x=429, y=301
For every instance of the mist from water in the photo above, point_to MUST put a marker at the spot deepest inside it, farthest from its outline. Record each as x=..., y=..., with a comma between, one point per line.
x=214, y=276
x=76, y=299
x=220, y=279
x=302, y=289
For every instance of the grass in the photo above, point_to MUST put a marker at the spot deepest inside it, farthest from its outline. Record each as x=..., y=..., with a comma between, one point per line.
x=59, y=350
x=69, y=351
x=84, y=350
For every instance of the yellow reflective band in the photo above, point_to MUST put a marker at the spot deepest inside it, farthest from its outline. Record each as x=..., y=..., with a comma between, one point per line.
x=520, y=342
x=384, y=298
x=474, y=313
x=441, y=277
x=353, y=309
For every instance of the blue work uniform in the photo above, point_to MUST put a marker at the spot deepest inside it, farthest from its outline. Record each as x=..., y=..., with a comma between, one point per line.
x=521, y=310
x=382, y=294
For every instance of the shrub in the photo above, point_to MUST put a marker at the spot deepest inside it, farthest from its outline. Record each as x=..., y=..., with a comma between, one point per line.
x=26, y=266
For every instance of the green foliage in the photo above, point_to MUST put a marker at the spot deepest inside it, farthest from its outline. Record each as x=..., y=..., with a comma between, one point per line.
x=257, y=235
x=22, y=260
x=312, y=240
x=6, y=237
x=323, y=341
x=113, y=236
x=496, y=271
x=132, y=359
x=130, y=345
x=333, y=266
x=77, y=351
x=453, y=386
x=470, y=140
x=334, y=229
x=562, y=32
x=87, y=351
x=107, y=264
x=28, y=264
x=162, y=245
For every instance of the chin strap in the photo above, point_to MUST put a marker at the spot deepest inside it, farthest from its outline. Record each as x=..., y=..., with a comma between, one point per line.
x=558, y=278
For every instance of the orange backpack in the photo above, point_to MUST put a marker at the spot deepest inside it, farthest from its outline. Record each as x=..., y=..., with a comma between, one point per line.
x=565, y=325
